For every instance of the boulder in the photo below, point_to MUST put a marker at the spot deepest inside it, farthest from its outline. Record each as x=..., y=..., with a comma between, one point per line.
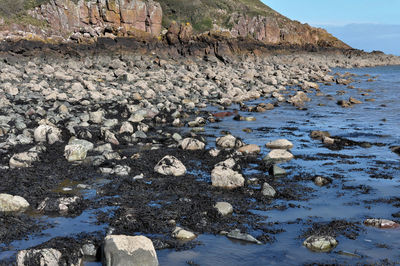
x=60, y=205
x=192, y=144
x=283, y=144
x=277, y=171
x=229, y=142
x=317, y=134
x=182, y=234
x=122, y=250
x=226, y=178
x=320, y=243
x=47, y=133
x=278, y=155
x=9, y=203
x=224, y=208
x=23, y=159
x=170, y=165
x=41, y=257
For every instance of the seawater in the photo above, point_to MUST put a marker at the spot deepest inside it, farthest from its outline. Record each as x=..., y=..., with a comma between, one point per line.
x=372, y=121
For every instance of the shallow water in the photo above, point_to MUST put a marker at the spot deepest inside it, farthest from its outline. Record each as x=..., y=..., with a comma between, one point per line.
x=357, y=167
x=363, y=122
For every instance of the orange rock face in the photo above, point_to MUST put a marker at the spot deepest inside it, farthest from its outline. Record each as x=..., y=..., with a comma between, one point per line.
x=66, y=17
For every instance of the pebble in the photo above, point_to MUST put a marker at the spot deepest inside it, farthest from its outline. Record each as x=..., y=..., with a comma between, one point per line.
x=224, y=208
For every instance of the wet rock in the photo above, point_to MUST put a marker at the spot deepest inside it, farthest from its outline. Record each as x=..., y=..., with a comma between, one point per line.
x=122, y=170
x=299, y=99
x=320, y=243
x=229, y=142
x=40, y=257
x=224, y=177
x=354, y=101
x=277, y=171
x=60, y=205
x=228, y=163
x=89, y=250
x=23, y=159
x=214, y=152
x=317, y=134
x=381, y=223
x=182, y=234
x=395, y=149
x=328, y=140
x=192, y=144
x=268, y=190
x=278, y=156
x=236, y=234
x=10, y=203
x=198, y=122
x=344, y=103
x=47, y=133
x=224, y=208
x=282, y=144
x=321, y=181
x=129, y=250
x=170, y=165
x=250, y=149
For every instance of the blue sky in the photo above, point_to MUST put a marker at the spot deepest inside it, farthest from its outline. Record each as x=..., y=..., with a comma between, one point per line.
x=363, y=24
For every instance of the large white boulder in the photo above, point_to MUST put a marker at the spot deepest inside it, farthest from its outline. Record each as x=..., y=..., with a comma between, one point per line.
x=226, y=178
x=10, y=203
x=170, y=165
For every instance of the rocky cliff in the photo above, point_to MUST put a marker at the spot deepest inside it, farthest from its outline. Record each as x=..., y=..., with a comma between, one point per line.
x=84, y=20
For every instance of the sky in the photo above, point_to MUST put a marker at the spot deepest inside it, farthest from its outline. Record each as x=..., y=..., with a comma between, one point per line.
x=363, y=24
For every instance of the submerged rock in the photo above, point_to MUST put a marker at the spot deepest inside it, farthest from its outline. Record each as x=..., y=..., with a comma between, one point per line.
x=129, y=250
x=318, y=134
x=320, y=243
x=277, y=171
x=381, y=223
x=236, y=234
x=10, y=203
x=40, y=257
x=170, y=165
x=226, y=178
x=321, y=181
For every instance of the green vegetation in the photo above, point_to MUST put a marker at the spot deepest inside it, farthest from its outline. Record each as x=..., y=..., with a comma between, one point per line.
x=203, y=13
x=15, y=11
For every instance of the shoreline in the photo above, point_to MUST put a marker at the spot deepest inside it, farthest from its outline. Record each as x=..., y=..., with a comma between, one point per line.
x=127, y=107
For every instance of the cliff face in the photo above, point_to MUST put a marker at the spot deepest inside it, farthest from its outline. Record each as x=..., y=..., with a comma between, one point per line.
x=81, y=20
x=97, y=17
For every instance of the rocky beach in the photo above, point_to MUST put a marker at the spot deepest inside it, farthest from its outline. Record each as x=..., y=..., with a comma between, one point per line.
x=142, y=133
x=126, y=138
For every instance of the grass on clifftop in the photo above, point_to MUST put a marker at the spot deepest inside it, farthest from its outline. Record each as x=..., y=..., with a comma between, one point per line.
x=203, y=13
x=15, y=11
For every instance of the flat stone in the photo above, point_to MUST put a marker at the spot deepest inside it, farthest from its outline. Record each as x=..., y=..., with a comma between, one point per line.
x=23, y=159
x=282, y=144
x=224, y=208
x=129, y=250
x=236, y=234
x=320, y=243
x=277, y=171
x=10, y=203
x=278, y=155
x=381, y=223
x=250, y=149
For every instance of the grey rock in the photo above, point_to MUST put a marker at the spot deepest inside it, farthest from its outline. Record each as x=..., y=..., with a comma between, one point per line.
x=224, y=208
x=268, y=190
x=320, y=243
x=170, y=165
x=44, y=257
x=236, y=234
x=226, y=178
x=9, y=203
x=192, y=144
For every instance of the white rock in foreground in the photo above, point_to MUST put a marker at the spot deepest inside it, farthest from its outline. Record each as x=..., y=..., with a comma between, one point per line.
x=170, y=165
x=320, y=243
x=282, y=144
x=226, y=178
x=23, y=159
x=43, y=257
x=121, y=250
x=228, y=142
x=47, y=133
x=278, y=155
x=10, y=203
